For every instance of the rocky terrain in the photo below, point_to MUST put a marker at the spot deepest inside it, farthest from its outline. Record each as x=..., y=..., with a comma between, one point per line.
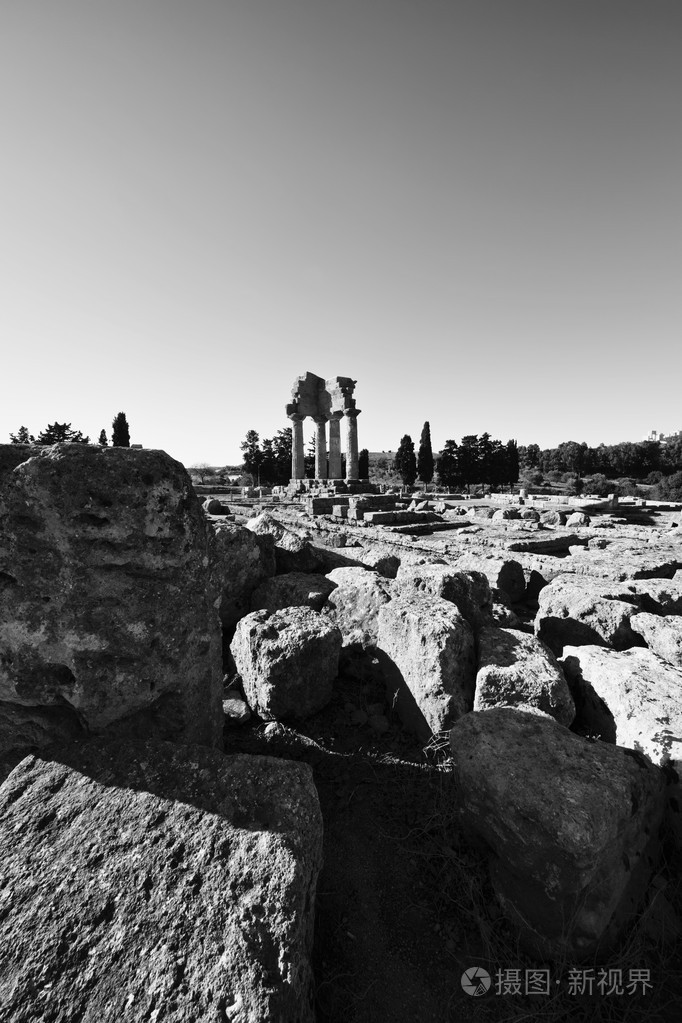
x=267, y=765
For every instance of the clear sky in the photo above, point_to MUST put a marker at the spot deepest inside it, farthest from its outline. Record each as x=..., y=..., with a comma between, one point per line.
x=472, y=207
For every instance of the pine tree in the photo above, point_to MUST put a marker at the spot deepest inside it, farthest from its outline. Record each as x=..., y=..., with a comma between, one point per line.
x=405, y=463
x=282, y=442
x=61, y=433
x=448, y=467
x=103, y=438
x=253, y=456
x=120, y=437
x=425, y=456
x=22, y=436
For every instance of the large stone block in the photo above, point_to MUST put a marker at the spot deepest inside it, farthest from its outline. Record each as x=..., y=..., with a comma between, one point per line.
x=157, y=882
x=469, y=591
x=108, y=608
x=287, y=660
x=293, y=553
x=426, y=649
x=242, y=561
x=516, y=670
x=293, y=589
x=575, y=611
x=571, y=827
x=502, y=573
x=354, y=604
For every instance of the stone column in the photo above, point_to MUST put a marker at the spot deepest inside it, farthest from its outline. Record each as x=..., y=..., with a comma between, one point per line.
x=335, y=445
x=297, y=463
x=320, y=448
x=352, y=443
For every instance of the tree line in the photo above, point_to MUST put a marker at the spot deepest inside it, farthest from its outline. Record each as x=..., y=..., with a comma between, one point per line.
x=63, y=433
x=634, y=459
x=475, y=459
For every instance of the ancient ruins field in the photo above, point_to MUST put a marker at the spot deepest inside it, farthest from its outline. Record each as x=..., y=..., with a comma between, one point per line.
x=311, y=756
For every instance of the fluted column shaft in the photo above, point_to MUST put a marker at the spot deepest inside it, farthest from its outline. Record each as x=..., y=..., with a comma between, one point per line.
x=320, y=448
x=297, y=457
x=352, y=472
x=335, y=464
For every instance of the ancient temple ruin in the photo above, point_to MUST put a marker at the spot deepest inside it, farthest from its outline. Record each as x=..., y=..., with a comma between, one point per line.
x=325, y=401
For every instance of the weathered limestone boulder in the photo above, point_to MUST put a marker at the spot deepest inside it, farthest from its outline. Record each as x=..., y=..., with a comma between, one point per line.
x=242, y=560
x=287, y=661
x=658, y=596
x=379, y=557
x=502, y=573
x=503, y=514
x=555, y=543
x=108, y=605
x=354, y=603
x=529, y=514
x=516, y=670
x=553, y=518
x=570, y=611
x=658, y=562
x=293, y=553
x=212, y=506
x=639, y=701
x=426, y=649
x=662, y=635
x=157, y=882
x=295, y=589
x=577, y=518
x=469, y=591
x=571, y=827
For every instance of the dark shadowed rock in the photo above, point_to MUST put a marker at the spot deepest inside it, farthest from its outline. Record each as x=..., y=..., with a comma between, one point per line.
x=294, y=589
x=159, y=882
x=287, y=660
x=293, y=553
x=571, y=826
x=502, y=573
x=241, y=561
x=516, y=670
x=108, y=607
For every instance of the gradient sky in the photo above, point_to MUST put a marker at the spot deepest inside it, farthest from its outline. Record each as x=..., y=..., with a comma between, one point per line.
x=473, y=207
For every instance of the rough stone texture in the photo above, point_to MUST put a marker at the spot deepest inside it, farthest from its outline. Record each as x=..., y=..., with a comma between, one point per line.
x=516, y=670
x=242, y=560
x=469, y=591
x=212, y=506
x=632, y=698
x=502, y=573
x=293, y=553
x=12, y=455
x=659, y=596
x=530, y=514
x=287, y=660
x=295, y=589
x=354, y=603
x=662, y=635
x=553, y=518
x=571, y=826
x=380, y=558
x=505, y=513
x=160, y=883
x=659, y=562
x=426, y=649
x=577, y=519
x=108, y=607
x=571, y=612
x=556, y=543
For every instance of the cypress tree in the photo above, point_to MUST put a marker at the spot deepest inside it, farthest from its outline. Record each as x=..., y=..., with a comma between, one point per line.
x=405, y=463
x=120, y=437
x=103, y=438
x=425, y=456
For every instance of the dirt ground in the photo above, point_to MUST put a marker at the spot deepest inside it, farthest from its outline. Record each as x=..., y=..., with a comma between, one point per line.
x=404, y=904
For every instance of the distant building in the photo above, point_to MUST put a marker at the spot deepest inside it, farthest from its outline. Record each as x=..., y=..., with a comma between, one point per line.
x=662, y=438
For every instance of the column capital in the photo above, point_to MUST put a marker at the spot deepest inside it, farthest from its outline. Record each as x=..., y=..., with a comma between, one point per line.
x=352, y=413
x=296, y=417
x=335, y=416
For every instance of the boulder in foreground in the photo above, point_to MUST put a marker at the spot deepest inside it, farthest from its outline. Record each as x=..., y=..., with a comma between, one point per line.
x=108, y=604
x=571, y=827
x=159, y=882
